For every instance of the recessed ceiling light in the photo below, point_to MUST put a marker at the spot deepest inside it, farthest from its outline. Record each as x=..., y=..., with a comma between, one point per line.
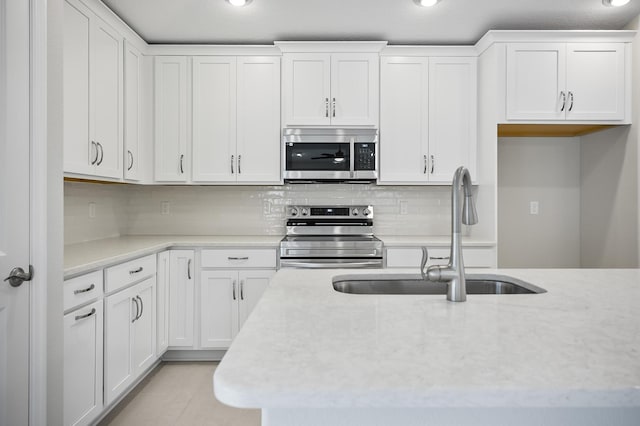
x=239, y=3
x=615, y=3
x=427, y=3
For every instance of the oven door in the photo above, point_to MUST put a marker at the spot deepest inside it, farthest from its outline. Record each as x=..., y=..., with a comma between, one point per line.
x=317, y=160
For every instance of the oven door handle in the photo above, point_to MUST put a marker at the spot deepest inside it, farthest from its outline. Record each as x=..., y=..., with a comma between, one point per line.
x=317, y=265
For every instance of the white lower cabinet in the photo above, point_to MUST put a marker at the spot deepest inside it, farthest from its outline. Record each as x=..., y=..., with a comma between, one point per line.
x=162, y=304
x=181, y=298
x=410, y=257
x=227, y=297
x=83, y=364
x=129, y=336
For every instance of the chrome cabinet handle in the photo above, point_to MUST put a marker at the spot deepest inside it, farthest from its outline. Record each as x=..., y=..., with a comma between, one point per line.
x=239, y=159
x=101, y=153
x=232, y=157
x=87, y=315
x=135, y=271
x=424, y=171
x=564, y=101
x=433, y=163
x=234, y=289
x=84, y=290
x=17, y=276
x=134, y=300
x=131, y=160
x=189, y=269
x=423, y=263
x=326, y=107
x=95, y=146
x=241, y=289
x=571, y=97
x=141, y=307
x=238, y=258
x=333, y=108
x=439, y=258
x=181, y=163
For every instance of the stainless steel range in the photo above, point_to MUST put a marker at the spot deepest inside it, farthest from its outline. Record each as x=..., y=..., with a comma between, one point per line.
x=330, y=237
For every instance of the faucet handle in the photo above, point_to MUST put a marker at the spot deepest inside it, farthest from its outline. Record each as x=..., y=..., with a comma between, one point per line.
x=423, y=262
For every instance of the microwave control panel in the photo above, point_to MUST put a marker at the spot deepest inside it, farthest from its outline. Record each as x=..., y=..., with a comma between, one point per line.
x=365, y=156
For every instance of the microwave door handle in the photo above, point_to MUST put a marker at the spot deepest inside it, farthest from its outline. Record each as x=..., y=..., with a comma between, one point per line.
x=352, y=152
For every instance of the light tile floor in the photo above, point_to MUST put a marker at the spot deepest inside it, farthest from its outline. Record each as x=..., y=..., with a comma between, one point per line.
x=179, y=393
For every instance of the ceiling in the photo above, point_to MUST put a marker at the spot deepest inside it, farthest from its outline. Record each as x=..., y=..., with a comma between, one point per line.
x=396, y=21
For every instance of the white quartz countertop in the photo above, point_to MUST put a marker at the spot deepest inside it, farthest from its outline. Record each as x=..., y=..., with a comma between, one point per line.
x=84, y=257
x=306, y=345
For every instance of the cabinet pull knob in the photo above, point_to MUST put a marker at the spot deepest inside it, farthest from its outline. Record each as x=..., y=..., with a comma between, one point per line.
x=232, y=157
x=433, y=163
x=134, y=300
x=424, y=171
x=238, y=258
x=241, y=289
x=239, y=163
x=333, y=108
x=141, y=307
x=130, y=160
x=84, y=290
x=87, y=315
x=571, y=97
x=101, y=153
x=95, y=146
x=234, y=289
x=326, y=107
x=564, y=100
x=189, y=269
x=135, y=271
x=181, y=164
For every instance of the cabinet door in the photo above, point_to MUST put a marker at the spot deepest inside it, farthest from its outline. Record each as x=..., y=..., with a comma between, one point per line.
x=536, y=87
x=219, y=298
x=181, y=298
x=452, y=117
x=132, y=111
x=259, y=119
x=106, y=98
x=404, y=120
x=171, y=119
x=252, y=285
x=214, y=119
x=162, y=304
x=595, y=81
x=120, y=311
x=354, y=89
x=144, y=326
x=306, y=91
x=79, y=153
x=83, y=338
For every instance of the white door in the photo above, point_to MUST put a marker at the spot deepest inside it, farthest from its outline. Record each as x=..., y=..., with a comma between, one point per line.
x=252, y=285
x=404, y=120
x=162, y=302
x=214, y=119
x=354, y=89
x=595, y=81
x=307, y=89
x=14, y=210
x=258, y=145
x=536, y=81
x=219, y=298
x=144, y=326
x=132, y=111
x=181, y=298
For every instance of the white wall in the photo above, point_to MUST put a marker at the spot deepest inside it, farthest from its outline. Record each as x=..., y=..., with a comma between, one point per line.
x=546, y=170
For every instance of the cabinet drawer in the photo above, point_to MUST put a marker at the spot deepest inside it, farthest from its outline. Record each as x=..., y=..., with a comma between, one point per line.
x=239, y=258
x=82, y=289
x=130, y=272
x=410, y=257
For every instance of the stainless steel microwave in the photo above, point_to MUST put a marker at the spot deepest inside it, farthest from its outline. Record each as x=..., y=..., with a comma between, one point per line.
x=330, y=155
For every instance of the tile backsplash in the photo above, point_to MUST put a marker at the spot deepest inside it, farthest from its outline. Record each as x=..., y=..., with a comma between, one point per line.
x=243, y=210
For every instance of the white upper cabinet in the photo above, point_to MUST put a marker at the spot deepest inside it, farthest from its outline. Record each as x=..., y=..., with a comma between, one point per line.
x=171, y=132
x=565, y=81
x=92, y=73
x=132, y=111
x=331, y=89
x=236, y=119
x=427, y=119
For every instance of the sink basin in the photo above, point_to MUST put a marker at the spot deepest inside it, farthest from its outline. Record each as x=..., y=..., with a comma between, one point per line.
x=414, y=284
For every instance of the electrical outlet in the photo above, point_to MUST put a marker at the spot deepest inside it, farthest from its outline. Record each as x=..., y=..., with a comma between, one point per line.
x=92, y=210
x=404, y=207
x=165, y=208
x=534, y=207
x=266, y=207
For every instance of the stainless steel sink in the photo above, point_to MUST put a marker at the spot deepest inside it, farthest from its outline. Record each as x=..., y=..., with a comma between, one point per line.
x=414, y=284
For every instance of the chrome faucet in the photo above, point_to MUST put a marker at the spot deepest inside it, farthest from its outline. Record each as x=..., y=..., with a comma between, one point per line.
x=453, y=273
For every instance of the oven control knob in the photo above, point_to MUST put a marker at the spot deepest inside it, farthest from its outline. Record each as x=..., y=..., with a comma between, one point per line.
x=305, y=212
x=366, y=212
x=293, y=212
x=354, y=212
